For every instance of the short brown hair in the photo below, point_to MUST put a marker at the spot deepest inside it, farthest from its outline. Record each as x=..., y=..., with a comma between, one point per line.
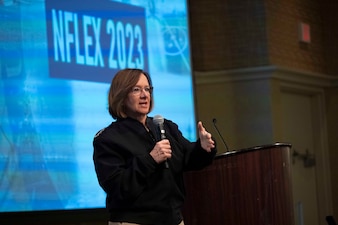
x=121, y=85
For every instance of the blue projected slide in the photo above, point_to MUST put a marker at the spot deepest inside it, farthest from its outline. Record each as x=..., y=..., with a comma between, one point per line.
x=57, y=59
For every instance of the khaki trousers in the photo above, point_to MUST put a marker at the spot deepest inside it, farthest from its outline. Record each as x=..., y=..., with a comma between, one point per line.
x=124, y=223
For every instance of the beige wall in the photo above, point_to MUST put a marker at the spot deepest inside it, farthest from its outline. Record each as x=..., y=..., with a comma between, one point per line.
x=332, y=123
x=242, y=107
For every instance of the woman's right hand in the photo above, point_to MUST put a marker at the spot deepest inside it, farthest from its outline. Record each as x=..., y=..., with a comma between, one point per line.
x=161, y=151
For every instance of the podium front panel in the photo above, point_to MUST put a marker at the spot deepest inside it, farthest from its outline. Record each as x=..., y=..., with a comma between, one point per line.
x=250, y=186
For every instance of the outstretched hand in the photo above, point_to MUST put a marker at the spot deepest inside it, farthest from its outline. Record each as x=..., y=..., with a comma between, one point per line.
x=206, y=141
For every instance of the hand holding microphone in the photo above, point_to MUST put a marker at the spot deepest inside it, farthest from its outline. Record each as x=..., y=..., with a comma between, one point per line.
x=162, y=149
x=161, y=152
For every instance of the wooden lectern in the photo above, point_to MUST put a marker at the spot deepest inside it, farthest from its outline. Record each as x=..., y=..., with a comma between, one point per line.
x=245, y=187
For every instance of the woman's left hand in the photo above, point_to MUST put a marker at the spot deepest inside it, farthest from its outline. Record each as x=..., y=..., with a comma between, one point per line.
x=206, y=141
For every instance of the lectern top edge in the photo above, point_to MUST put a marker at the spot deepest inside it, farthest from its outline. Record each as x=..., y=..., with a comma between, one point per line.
x=255, y=148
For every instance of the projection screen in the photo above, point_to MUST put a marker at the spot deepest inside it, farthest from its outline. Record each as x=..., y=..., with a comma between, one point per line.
x=57, y=58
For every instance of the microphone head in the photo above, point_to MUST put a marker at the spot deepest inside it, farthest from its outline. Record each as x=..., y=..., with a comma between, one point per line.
x=214, y=120
x=158, y=119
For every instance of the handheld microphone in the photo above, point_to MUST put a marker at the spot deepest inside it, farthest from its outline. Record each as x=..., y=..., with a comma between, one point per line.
x=214, y=122
x=159, y=120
